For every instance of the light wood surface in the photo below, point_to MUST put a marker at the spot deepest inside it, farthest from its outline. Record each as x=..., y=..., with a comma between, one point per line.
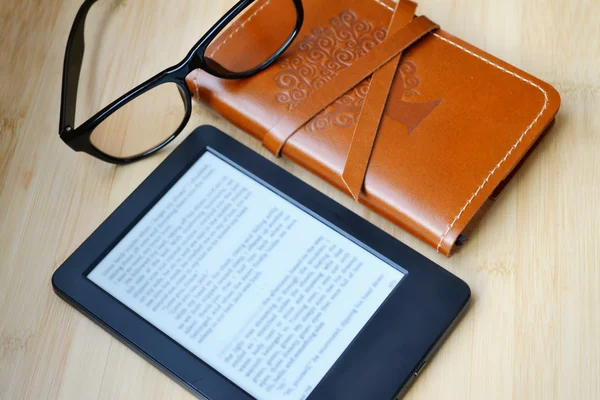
x=533, y=264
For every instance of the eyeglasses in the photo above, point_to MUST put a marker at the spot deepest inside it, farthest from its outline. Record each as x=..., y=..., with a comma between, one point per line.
x=150, y=116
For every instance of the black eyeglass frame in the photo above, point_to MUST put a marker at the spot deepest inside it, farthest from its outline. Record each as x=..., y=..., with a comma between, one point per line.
x=78, y=138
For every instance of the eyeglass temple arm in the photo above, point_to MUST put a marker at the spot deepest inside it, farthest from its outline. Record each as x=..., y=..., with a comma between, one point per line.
x=72, y=68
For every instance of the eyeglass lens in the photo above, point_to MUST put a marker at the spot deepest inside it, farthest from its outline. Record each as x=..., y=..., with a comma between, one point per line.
x=254, y=35
x=147, y=121
x=142, y=124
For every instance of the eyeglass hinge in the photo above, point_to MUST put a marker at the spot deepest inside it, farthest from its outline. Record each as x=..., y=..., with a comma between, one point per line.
x=66, y=133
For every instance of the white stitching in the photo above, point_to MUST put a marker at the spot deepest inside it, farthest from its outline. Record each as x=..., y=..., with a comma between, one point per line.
x=510, y=151
x=239, y=28
x=197, y=85
x=514, y=146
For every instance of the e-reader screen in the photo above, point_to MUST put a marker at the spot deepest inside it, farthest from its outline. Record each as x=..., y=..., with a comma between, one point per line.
x=259, y=289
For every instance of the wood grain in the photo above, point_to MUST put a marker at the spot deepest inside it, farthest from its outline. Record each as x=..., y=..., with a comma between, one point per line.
x=533, y=264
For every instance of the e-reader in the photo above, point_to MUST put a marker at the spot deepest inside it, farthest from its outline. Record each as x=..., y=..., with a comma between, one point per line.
x=242, y=282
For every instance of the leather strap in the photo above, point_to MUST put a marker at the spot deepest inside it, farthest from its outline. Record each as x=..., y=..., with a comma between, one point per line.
x=345, y=80
x=370, y=116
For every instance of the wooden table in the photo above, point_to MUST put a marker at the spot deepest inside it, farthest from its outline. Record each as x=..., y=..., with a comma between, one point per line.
x=533, y=264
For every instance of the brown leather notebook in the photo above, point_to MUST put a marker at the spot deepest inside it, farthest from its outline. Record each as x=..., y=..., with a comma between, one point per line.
x=411, y=121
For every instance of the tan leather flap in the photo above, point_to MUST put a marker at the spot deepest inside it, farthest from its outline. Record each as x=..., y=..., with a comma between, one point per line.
x=456, y=122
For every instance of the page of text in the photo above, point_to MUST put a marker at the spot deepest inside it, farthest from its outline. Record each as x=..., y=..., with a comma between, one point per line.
x=255, y=287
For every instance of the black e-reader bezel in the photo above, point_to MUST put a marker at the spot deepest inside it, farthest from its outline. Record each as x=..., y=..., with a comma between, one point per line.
x=381, y=361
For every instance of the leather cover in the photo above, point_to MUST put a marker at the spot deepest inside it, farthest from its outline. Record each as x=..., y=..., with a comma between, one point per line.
x=456, y=124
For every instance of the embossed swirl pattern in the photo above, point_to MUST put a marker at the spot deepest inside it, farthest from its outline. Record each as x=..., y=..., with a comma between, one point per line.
x=343, y=112
x=323, y=53
x=408, y=69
